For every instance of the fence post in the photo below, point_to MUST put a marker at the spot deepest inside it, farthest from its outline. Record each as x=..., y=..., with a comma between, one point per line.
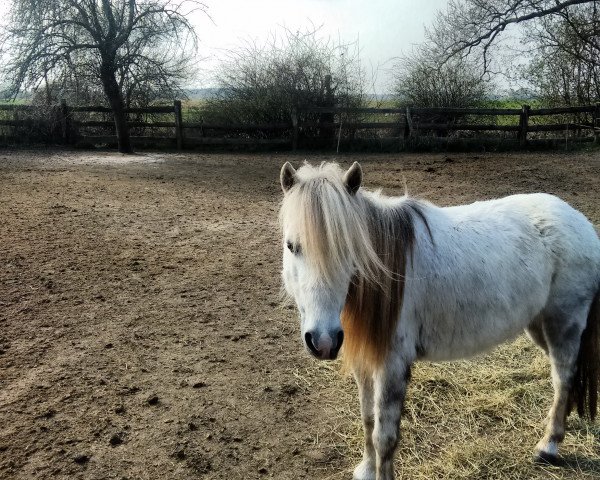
x=65, y=122
x=596, y=123
x=408, y=125
x=523, y=124
x=178, y=124
x=327, y=133
x=294, y=129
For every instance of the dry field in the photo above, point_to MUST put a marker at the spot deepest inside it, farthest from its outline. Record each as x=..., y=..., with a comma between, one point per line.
x=142, y=335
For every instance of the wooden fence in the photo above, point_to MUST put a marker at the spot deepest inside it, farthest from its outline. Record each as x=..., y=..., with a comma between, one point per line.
x=414, y=123
x=63, y=124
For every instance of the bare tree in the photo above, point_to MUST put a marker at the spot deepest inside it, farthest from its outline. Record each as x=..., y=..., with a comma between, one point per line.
x=475, y=26
x=566, y=64
x=267, y=82
x=422, y=81
x=124, y=45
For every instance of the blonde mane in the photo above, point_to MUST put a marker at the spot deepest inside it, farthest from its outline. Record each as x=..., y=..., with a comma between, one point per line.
x=360, y=235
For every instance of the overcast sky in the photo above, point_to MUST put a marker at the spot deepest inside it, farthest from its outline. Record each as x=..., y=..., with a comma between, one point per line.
x=384, y=28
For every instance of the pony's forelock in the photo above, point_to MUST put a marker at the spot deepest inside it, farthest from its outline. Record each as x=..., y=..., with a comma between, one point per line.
x=330, y=225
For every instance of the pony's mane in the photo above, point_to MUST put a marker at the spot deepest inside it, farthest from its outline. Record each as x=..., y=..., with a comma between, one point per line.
x=362, y=235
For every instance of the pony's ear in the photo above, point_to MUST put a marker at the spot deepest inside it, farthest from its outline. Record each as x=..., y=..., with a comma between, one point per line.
x=353, y=178
x=287, y=176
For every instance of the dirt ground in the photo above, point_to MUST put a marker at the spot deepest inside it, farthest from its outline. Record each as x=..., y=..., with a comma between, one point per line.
x=141, y=330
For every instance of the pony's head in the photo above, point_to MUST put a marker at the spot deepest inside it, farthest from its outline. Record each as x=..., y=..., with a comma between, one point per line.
x=326, y=246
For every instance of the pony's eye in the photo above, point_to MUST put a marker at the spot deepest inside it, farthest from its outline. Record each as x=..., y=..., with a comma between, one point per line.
x=294, y=248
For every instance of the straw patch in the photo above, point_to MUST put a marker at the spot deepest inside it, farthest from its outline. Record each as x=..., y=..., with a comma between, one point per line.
x=475, y=419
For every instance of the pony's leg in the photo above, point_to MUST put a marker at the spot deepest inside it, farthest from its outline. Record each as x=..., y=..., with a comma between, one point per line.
x=563, y=337
x=536, y=333
x=390, y=384
x=365, y=470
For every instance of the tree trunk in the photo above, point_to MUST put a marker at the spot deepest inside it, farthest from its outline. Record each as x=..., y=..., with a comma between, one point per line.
x=115, y=99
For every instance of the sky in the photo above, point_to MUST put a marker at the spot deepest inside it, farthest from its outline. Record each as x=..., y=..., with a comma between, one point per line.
x=384, y=29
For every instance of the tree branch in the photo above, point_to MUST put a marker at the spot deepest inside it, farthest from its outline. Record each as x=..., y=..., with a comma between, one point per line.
x=474, y=32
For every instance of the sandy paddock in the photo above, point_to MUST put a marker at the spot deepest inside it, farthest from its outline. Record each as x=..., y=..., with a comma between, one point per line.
x=142, y=336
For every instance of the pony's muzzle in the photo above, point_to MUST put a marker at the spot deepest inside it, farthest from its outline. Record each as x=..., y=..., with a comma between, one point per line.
x=324, y=346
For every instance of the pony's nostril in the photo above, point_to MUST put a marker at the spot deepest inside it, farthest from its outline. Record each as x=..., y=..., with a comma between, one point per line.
x=335, y=350
x=308, y=339
x=340, y=339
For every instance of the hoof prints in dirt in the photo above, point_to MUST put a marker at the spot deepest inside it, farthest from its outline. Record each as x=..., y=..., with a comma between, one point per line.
x=125, y=280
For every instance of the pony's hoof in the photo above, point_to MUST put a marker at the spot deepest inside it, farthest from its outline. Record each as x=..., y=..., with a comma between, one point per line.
x=545, y=458
x=364, y=471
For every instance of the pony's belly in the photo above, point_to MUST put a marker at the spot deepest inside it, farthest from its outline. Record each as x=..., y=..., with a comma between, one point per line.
x=447, y=353
x=462, y=339
x=479, y=307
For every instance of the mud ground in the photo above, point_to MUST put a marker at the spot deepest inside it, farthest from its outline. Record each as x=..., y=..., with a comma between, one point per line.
x=141, y=330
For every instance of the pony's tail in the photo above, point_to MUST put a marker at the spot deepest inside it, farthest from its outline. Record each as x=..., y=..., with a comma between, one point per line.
x=584, y=391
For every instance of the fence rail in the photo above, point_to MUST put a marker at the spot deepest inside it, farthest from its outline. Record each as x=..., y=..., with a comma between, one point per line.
x=406, y=124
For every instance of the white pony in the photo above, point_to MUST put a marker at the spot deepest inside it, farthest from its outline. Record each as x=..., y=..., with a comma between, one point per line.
x=397, y=280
